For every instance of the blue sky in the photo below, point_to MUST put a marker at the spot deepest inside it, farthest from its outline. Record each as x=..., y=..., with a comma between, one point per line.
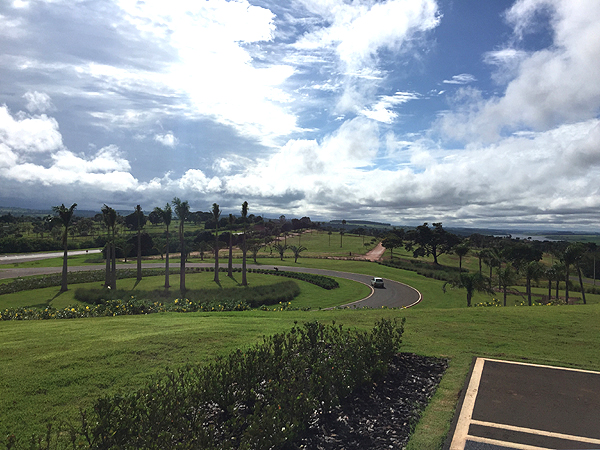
x=473, y=113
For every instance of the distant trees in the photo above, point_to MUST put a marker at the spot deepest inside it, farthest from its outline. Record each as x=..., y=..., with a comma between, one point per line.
x=64, y=218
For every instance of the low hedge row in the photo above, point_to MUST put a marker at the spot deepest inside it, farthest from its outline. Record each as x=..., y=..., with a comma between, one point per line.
x=318, y=280
x=260, y=398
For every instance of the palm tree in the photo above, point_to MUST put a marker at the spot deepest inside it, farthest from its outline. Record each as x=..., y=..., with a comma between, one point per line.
x=166, y=215
x=461, y=251
x=281, y=248
x=297, y=250
x=182, y=209
x=572, y=256
x=64, y=218
x=216, y=212
x=532, y=271
x=507, y=277
x=110, y=220
x=230, y=264
x=139, y=215
x=472, y=282
x=244, y=248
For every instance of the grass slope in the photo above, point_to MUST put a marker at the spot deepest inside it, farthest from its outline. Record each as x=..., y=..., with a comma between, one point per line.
x=51, y=368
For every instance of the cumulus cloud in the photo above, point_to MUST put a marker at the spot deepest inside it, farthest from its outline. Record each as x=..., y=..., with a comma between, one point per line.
x=29, y=134
x=38, y=102
x=167, y=139
x=553, y=85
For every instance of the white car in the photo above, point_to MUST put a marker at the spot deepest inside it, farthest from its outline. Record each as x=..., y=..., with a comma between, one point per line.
x=377, y=282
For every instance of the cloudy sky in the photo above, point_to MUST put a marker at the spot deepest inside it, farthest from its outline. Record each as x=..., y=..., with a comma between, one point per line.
x=469, y=112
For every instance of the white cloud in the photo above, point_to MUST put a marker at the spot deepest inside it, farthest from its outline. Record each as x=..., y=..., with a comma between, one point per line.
x=557, y=84
x=463, y=78
x=29, y=134
x=382, y=110
x=38, y=102
x=167, y=139
x=358, y=30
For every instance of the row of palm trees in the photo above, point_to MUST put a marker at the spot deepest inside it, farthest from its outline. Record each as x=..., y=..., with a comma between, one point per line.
x=508, y=274
x=182, y=210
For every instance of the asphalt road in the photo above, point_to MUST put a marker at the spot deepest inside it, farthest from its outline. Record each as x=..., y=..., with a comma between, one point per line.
x=393, y=295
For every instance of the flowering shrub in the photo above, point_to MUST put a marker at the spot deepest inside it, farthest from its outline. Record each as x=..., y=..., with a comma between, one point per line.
x=494, y=302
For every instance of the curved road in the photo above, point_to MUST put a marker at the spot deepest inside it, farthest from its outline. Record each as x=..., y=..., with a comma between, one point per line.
x=394, y=295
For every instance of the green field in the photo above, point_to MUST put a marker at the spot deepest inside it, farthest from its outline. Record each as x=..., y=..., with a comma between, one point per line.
x=48, y=369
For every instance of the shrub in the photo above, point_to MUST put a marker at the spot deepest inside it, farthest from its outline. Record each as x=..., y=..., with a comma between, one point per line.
x=259, y=398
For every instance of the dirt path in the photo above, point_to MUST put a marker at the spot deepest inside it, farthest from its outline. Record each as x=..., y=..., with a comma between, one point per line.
x=376, y=253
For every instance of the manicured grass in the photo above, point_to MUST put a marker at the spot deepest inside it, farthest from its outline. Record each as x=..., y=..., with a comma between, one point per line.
x=311, y=296
x=68, y=363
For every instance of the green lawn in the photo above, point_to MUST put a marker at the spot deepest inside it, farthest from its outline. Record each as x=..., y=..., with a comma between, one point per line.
x=51, y=368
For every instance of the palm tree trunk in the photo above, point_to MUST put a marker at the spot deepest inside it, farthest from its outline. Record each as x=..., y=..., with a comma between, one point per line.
x=230, y=264
x=113, y=269
x=529, y=291
x=216, y=278
x=182, y=260
x=139, y=256
x=567, y=286
x=549, y=289
x=167, y=285
x=63, y=286
x=244, y=279
x=504, y=295
x=581, y=284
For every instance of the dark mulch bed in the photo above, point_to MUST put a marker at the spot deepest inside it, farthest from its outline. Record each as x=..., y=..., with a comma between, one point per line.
x=380, y=415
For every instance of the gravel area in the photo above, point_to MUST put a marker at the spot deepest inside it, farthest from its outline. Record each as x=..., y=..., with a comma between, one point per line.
x=380, y=415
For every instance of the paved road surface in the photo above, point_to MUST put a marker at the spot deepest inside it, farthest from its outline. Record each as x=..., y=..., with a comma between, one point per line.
x=8, y=259
x=394, y=295
x=511, y=405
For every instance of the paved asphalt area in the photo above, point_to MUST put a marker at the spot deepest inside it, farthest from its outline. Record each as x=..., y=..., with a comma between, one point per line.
x=510, y=405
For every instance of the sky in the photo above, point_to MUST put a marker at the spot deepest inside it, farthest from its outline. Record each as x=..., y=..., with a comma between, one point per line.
x=466, y=112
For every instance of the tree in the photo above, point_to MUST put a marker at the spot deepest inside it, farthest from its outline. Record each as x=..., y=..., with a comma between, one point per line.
x=491, y=259
x=573, y=255
x=430, y=241
x=297, y=250
x=166, y=215
x=254, y=246
x=140, y=222
x=110, y=220
x=472, y=282
x=216, y=212
x=244, y=249
x=392, y=241
x=64, y=218
x=506, y=277
x=532, y=271
x=461, y=251
x=280, y=248
x=182, y=209
x=230, y=263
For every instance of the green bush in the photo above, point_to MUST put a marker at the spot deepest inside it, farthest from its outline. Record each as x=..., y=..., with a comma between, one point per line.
x=259, y=398
x=318, y=280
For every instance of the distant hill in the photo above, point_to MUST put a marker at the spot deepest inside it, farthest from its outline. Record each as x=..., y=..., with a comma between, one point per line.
x=366, y=223
x=18, y=212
